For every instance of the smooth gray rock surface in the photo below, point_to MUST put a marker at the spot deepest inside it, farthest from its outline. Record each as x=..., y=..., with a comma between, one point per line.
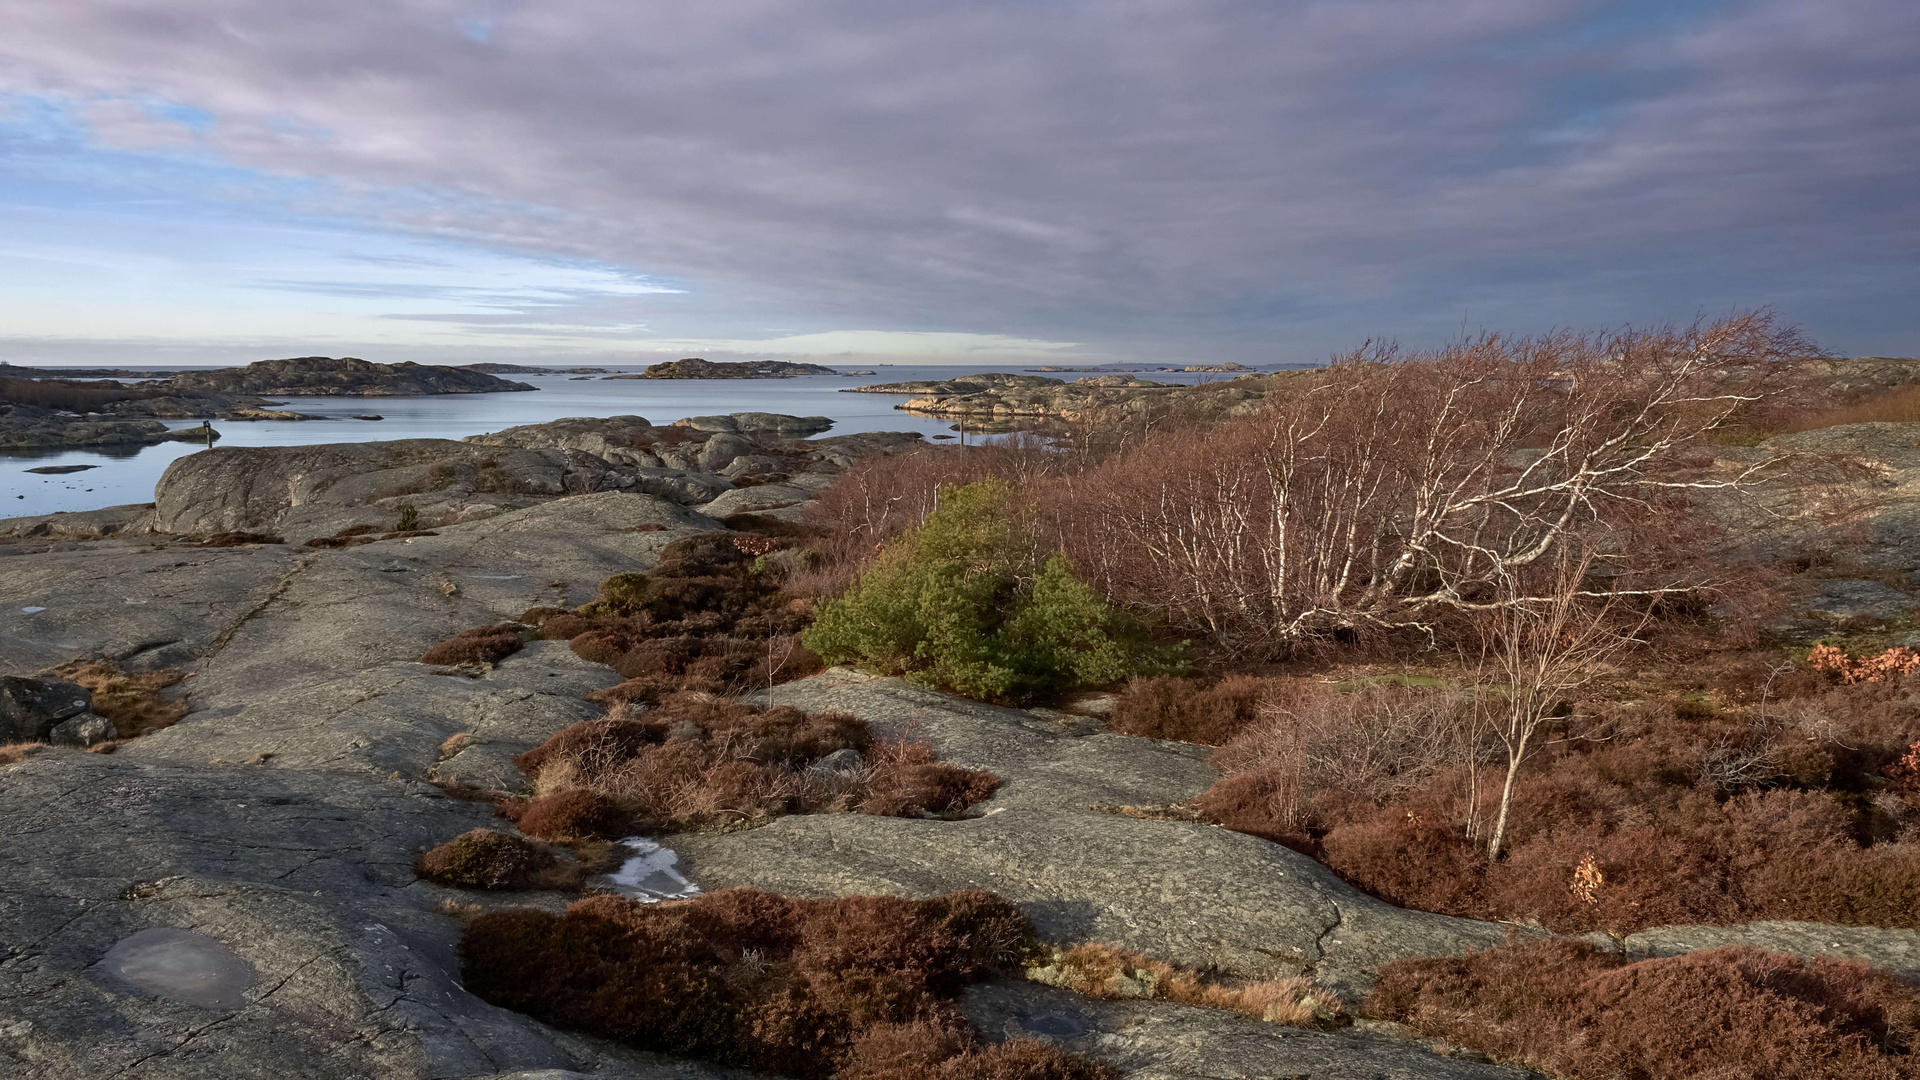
x=280, y=818
x=1897, y=951
x=1158, y=1040
x=125, y=521
x=1183, y=892
x=279, y=488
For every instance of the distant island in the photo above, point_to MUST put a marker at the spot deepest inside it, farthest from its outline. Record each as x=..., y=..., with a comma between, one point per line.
x=12, y=371
x=695, y=368
x=533, y=369
x=344, y=377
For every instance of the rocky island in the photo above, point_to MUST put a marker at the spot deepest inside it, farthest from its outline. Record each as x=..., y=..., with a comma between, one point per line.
x=324, y=376
x=695, y=368
x=1003, y=399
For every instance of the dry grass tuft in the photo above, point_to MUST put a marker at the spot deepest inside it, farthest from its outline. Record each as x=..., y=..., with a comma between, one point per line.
x=861, y=988
x=1104, y=971
x=131, y=701
x=15, y=753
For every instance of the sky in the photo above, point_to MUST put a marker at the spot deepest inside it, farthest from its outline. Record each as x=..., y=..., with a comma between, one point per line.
x=961, y=181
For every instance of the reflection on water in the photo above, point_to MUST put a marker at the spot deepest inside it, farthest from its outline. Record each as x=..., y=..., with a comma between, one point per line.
x=129, y=473
x=181, y=965
x=651, y=874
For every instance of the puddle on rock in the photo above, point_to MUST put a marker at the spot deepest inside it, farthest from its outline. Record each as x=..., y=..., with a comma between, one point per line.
x=1054, y=1023
x=649, y=876
x=181, y=965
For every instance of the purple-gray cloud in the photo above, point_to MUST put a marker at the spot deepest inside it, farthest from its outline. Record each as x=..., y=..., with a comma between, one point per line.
x=1267, y=179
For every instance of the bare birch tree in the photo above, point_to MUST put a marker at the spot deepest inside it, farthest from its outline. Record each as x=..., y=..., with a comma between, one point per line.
x=1539, y=644
x=1400, y=490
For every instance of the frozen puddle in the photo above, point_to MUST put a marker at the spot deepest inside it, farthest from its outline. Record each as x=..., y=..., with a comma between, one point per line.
x=181, y=965
x=649, y=876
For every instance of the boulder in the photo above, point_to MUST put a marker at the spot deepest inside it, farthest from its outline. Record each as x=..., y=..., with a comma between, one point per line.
x=720, y=449
x=31, y=708
x=82, y=731
x=750, y=500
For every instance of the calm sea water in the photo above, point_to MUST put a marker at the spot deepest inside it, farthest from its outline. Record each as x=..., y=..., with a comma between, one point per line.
x=128, y=476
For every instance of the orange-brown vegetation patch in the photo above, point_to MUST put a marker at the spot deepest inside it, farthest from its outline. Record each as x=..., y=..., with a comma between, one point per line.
x=1666, y=810
x=1892, y=664
x=1574, y=1012
x=697, y=761
x=1104, y=971
x=480, y=645
x=131, y=701
x=861, y=988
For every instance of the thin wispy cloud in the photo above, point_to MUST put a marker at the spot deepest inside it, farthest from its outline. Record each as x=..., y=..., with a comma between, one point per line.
x=1226, y=178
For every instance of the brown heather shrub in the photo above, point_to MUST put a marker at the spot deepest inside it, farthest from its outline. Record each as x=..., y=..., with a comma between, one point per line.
x=487, y=859
x=132, y=701
x=908, y=780
x=704, y=619
x=1641, y=816
x=1187, y=710
x=697, y=761
x=480, y=645
x=1568, y=1009
x=769, y=983
x=1104, y=971
x=569, y=814
x=563, y=626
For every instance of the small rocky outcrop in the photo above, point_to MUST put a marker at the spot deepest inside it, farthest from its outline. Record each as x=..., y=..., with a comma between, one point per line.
x=695, y=368
x=25, y=427
x=972, y=384
x=309, y=492
x=325, y=376
x=312, y=490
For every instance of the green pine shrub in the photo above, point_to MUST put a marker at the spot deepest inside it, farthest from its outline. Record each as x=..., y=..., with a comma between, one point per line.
x=971, y=602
